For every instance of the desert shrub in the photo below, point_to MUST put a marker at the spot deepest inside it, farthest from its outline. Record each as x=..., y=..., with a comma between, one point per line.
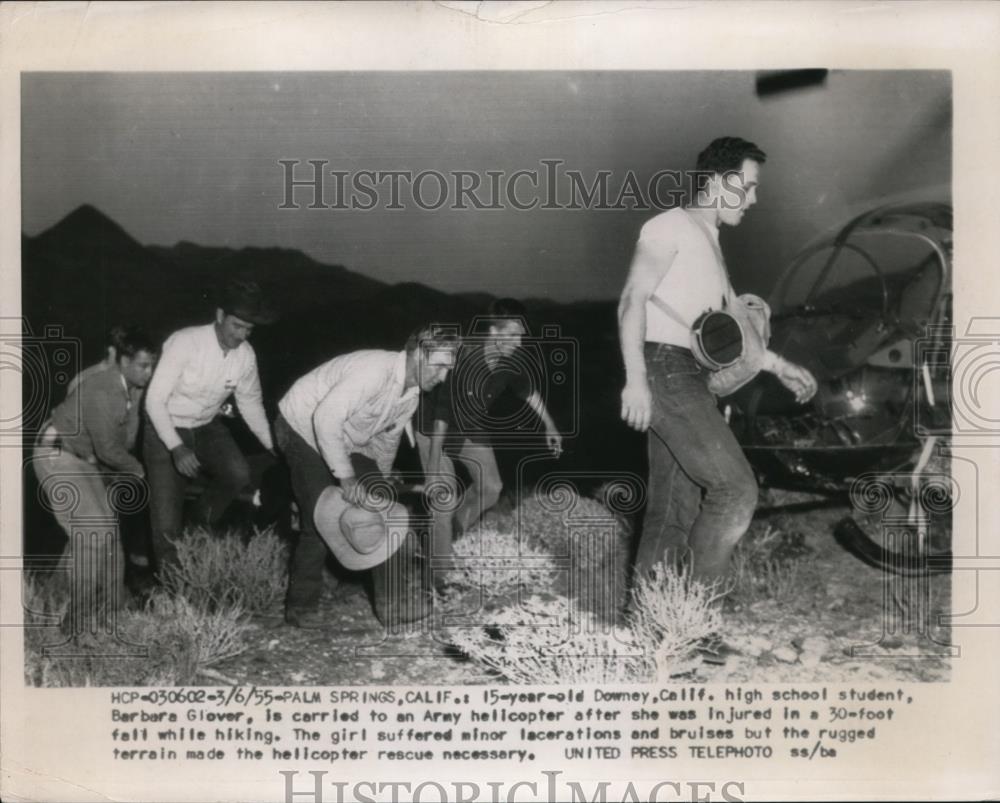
x=554, y=640
x=215, y=634
x=220, y=571
x=177, y=637
x=498, y=564
x=44, y=598
x=672, y=614
x=543, y=641
x=593, y=539
x=767, y=564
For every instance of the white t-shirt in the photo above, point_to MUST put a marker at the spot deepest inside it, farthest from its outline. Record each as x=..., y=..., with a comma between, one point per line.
x=696, y=280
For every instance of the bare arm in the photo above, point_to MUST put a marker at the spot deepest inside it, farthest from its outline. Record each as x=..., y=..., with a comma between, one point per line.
x=797, y=379
x=433, y=466
x=552, y=437
x=646, y=273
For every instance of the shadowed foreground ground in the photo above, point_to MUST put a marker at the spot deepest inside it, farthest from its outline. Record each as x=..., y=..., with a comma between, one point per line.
x=801, y=609
x=829, y=604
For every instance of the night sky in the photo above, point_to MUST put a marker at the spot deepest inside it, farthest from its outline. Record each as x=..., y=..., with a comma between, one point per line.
x=195, y=157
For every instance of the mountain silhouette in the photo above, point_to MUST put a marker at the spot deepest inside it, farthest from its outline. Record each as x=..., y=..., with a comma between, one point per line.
x=90, y=233
x=86, y=273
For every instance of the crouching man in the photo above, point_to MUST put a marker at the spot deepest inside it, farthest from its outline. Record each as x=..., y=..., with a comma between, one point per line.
x=337, y=424
x=201, y=367
x=84, y=450
x=456, y=418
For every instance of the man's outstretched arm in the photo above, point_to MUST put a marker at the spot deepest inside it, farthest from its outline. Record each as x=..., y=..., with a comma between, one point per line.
x=797, y=379
x=553, y=439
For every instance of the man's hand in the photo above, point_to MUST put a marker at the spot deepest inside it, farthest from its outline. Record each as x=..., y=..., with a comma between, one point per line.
x=553, y=440
x=185, y=461
x=352, y=490
x=637, y=405
x=356, y=493
x=797, y=379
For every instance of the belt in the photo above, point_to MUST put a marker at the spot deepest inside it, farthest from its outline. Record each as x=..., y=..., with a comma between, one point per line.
x=51, y=439
x=653, y=347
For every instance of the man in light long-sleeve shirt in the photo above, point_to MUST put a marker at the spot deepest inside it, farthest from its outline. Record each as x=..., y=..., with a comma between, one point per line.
x=356, y=404
x=199, y=369
x=86, y=445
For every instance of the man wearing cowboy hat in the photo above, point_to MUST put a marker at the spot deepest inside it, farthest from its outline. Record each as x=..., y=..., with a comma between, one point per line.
x=200, y=367
x=338, y=427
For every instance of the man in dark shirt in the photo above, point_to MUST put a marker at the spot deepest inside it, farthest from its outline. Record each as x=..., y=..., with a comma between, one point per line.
x=112, y=346
x=456, y=419
x=85, y=446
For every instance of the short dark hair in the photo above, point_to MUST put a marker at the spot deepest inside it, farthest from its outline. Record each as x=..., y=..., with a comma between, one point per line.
x=502, y=310
x=727, y=153
x=506, y=308
x=129, y=340
x=115, y=337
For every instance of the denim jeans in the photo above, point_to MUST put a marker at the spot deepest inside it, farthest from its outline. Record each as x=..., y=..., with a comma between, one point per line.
x=222, y=462
x=701, y=491
x=309, y=476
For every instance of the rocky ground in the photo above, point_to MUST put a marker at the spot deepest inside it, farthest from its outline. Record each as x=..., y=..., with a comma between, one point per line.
x=824, y=617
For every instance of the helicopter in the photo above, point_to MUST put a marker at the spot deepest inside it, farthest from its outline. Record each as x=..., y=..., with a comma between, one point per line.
x=867, y=307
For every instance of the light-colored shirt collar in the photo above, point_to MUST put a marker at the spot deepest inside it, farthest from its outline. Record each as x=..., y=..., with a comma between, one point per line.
x=125, y=387
x=214, y=338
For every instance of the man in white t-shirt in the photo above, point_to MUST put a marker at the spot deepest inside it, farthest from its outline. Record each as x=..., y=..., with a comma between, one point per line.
x=701, y=492
x=199, y=369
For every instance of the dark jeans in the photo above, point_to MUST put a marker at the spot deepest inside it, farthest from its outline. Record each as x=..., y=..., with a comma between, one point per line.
x=310, y=476
x=701, y=492
x=224, y=466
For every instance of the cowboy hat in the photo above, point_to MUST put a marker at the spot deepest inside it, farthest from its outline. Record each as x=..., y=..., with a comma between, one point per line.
x=358, y=538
